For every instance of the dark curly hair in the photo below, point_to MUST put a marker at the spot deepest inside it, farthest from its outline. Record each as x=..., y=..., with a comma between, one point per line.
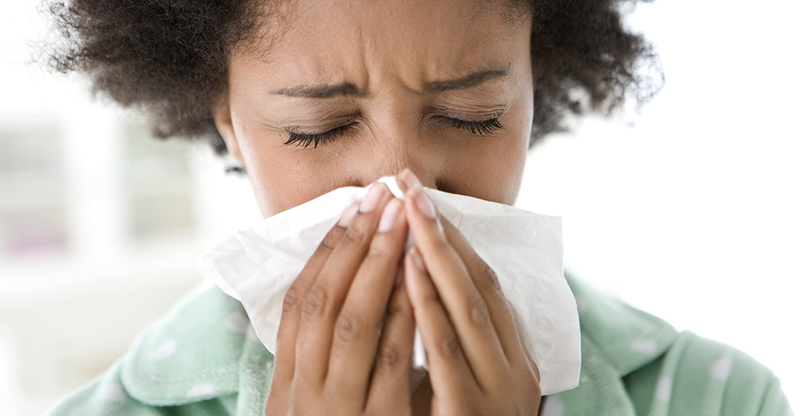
x=169, y=57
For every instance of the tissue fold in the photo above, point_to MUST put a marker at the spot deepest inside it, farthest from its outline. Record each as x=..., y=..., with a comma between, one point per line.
x=257, y=266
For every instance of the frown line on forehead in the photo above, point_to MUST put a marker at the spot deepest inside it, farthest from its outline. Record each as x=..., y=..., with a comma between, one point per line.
x=349, y=90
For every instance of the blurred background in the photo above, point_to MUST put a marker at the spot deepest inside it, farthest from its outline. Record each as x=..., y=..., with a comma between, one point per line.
x=688, y=210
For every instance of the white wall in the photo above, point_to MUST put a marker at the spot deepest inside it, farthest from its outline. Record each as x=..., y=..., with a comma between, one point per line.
x=694, y=213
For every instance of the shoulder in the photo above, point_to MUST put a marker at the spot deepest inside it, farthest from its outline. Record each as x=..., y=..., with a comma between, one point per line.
x=107, y=396
x=193, y=361
x=698, y=376
x=634, y=363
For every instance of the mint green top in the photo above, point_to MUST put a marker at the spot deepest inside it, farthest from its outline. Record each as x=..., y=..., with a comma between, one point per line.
x=204, y=359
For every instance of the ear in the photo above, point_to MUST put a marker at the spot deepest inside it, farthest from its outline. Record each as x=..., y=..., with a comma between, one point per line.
x=224, y=123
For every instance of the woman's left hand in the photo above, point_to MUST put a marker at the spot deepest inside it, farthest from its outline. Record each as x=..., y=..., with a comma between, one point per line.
x=477, y=362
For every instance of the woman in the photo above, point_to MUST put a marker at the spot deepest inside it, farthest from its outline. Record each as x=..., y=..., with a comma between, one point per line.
x=310, y=96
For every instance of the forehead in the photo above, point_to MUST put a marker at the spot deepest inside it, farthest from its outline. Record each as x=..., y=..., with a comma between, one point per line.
x=416, y=40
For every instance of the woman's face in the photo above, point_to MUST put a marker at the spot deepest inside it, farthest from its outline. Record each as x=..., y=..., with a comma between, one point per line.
x=349, y=91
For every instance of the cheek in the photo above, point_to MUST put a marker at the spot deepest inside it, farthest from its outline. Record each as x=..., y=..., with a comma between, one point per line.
x=274, y=172
x=490, y=168
x=521, y=131
x=502, y=159
x=284, y=176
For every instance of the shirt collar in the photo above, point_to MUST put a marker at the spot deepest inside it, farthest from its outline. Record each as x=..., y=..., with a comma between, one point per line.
x=204, y=348
x=616, y=339
x=626, y=337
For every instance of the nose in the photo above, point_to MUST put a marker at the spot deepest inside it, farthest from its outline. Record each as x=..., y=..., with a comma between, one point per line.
x=399, y=148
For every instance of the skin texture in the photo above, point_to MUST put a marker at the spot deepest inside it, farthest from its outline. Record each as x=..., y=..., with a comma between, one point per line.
x=388, y=52
x=397, y=82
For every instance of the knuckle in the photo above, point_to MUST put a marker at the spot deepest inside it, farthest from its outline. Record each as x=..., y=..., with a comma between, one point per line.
x=378, y=252
x=292, y=300
x=354, y=236
x=388, y=355
x=430, y=299
x=449, y=346
x=315, y=301
x=478, y=312
x=328, y=243
x=398, y=307
x=349, y=327
x=490, y=280
x=440, y=242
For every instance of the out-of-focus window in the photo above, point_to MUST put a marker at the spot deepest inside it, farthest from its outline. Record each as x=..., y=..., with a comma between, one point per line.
x=32, y=207
x=100, y=224
x=99, y=228
x=154, y=180
x=158, y=185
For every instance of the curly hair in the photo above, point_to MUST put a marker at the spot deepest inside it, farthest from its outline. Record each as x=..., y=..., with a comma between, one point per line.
x=169, y=57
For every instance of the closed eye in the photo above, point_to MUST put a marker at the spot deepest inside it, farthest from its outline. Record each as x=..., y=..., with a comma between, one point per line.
x=307, y=139
x=478, y=128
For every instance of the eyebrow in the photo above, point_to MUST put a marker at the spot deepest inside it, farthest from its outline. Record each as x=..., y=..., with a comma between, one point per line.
x=468, y=81
x=325, y=91
x=348, y=89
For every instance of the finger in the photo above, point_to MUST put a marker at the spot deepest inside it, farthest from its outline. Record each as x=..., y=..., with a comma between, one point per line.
x=325, y=297
x=293, y=300
x=392, y=370
x=447, y=367
x=357, y=330
x=488, y=285
x=467, y=310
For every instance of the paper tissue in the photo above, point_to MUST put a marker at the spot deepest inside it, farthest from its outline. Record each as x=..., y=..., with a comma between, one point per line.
x=257, y=266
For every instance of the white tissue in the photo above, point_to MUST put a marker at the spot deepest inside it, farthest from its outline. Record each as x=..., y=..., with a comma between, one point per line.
x=257, y=266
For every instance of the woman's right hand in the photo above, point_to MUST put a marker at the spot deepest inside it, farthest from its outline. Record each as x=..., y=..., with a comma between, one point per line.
x=331, y=355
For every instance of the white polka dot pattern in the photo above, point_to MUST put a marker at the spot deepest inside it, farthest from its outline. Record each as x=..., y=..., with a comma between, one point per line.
x=722, y=368
x=664, y=389
x=201, y=390
x=646, y=346
x=251, y=333
x=112, y=392
x=552, y=407
x=237, y=322
x=165, y=350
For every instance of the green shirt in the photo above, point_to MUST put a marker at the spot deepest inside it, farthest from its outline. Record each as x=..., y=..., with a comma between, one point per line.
x=204, y=359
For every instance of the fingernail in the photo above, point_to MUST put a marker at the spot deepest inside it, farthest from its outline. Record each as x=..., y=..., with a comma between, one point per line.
x=408, y=178
x=348, y=216
x=423, y=202
x=373, y=197
x=389, y=215
x=418, y=260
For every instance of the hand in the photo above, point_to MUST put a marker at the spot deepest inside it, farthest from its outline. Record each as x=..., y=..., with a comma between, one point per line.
x=331, y=355
x=478, y=364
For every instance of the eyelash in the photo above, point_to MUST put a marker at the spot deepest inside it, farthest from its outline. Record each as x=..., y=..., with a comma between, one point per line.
x=305, y=140
x=478, y=128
